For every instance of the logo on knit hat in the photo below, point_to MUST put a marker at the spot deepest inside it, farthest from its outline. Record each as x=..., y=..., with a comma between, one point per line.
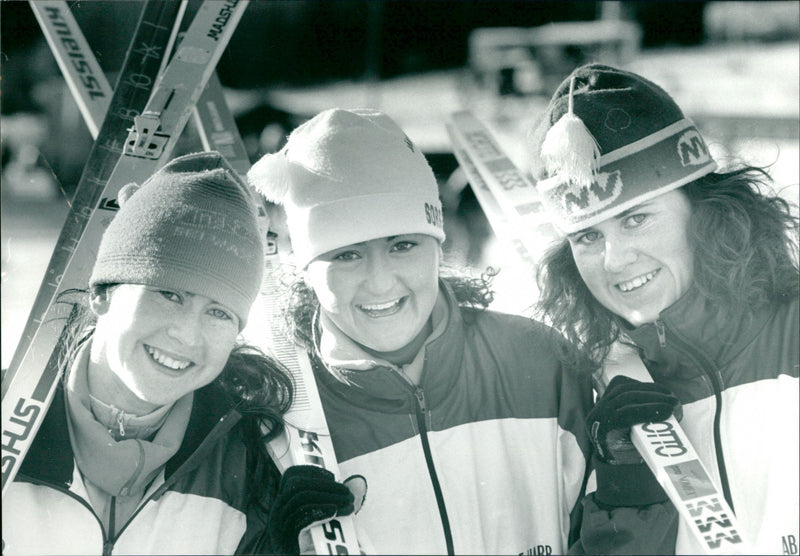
x=433, y=215
x=603, y=191
x=692, y=150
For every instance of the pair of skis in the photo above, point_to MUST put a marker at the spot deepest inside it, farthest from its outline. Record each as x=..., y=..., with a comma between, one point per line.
x=512, y=206
x=154, y=99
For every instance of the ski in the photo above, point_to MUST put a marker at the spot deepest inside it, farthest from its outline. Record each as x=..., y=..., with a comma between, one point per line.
x=217, y=128
x=305, y=438
x=513, y=193
x=668, y=452
x=501, y=226
x=218, y=131
x=139, y=71
x=85, y=78
x=147, y=146
x=664, y=446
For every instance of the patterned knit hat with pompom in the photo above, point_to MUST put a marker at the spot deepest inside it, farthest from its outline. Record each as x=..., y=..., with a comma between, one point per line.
x=192, y=226
x=610, y=140
x=349, y=176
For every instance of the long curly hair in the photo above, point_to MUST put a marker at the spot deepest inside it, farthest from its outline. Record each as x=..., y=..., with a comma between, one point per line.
x=745, y=246
x=253, y=383
x=299, y=303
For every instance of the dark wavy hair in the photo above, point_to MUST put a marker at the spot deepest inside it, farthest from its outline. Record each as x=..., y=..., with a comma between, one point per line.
x=299, y=303
x=253, y=383
x=744, y=241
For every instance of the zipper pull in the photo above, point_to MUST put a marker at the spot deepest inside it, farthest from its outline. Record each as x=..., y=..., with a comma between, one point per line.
x=420, y=398
x=662, y=333
x=120, y=423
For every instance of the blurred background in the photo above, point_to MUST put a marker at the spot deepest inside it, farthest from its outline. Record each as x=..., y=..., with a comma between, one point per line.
x=732, y=67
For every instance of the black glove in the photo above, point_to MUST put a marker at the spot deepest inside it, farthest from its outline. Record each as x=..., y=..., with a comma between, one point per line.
x=627, y=402
x=306, y=494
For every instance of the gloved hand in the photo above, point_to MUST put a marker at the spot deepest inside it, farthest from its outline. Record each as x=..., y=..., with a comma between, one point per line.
x=627, y=402
x=306, y=494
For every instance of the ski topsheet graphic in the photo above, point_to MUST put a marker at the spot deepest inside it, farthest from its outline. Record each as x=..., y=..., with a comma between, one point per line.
x=31, y=384
x=513, y=204
x=512, y=207
x=83, y=74
x=668, y=452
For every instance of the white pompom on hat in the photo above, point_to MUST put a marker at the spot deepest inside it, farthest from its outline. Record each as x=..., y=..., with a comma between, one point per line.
x=349, y=176
x=608, y=141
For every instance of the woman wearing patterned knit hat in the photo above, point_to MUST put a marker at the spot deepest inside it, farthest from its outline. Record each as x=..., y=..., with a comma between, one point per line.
x=698, y=268
x=152, y=444
x=464, y=421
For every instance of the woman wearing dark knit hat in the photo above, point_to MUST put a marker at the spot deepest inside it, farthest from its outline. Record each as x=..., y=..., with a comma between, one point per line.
x=697, y=268
x=153, y=443
x=464, y=421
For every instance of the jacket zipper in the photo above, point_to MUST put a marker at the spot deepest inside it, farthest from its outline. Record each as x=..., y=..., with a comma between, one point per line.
x=716, y=386
x=419, y=396
x=108, y=545
x=108, y=541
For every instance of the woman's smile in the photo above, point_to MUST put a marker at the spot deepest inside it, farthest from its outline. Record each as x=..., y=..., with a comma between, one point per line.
x=379, y=310
x=637, y=282
x=173, y=362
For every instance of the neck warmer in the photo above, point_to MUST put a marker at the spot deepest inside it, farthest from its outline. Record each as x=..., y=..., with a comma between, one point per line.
x=125, y=466
x=339, y=351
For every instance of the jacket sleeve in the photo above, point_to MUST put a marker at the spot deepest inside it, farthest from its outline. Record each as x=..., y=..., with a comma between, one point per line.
x=628, y=514
x=627, y=530
x=263, y=478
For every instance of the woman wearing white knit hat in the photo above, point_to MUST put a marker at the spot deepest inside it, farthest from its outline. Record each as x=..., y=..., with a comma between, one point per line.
x=465, y=422
x=153, y=442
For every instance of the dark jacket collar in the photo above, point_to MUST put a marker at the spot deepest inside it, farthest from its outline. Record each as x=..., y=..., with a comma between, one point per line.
x=50, y=458
x=696, y=324
x=382, y=388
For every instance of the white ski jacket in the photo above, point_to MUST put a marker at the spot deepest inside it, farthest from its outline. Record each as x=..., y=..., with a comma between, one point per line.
x=486, y=456
x=737, y=380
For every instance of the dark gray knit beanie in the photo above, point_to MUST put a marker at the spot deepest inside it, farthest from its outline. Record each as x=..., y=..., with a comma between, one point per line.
x=191, y=226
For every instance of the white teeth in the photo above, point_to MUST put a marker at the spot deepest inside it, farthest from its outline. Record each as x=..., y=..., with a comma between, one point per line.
x=637, y=282
x=378, y=310
x=167, y=361
x=380, y=306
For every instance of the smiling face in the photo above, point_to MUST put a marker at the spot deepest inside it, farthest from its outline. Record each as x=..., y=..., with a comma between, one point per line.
x=639, y=262
x=152, y=346
x=380, y=292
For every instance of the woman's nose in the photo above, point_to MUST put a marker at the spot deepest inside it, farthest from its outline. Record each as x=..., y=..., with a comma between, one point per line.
x=618, y=254
x=185, y=328
x=380, y=276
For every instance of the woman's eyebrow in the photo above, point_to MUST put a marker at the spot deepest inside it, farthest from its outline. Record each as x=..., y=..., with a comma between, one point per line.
x=625, y=213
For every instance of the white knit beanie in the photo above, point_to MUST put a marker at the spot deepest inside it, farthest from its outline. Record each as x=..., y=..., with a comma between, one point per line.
x=349, y=176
